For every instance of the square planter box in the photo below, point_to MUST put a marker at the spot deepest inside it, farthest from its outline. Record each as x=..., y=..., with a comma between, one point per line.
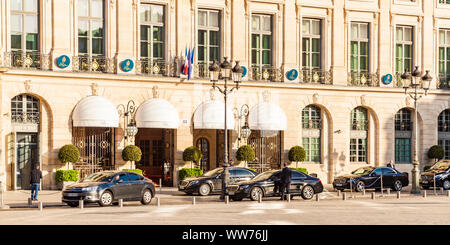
x=61, y=185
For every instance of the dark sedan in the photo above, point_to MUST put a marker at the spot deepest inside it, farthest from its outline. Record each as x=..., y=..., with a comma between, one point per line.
x=211, y=181
x=108, y=187
x=266, y=184
x=440, y=172
x=371, y=177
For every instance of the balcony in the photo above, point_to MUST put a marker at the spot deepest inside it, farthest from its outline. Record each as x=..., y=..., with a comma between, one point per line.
x=443, y=81
x=363, y=79
x=202, y=70
x=99, y=64
x=26, y=60
x=315, y=77
x=155, y=68
x=265, y=73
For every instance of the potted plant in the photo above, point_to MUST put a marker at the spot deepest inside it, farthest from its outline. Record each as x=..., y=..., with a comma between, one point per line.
x=66, y=177
x=297, y=154
x=189, y=172
x=192, y=154
x=436, y=152
x=131, y=153
x=69, y=154
x=245, y=154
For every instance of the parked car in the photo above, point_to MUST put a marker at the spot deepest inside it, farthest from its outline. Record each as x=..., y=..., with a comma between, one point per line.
x=211, y=181
x=370, y=177
x=267, y=183
x=439, y=171
x=108, y=187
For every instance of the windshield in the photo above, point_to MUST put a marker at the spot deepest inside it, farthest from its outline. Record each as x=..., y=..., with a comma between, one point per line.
x=363, y=170
x=441, y=165
x=213, y=172
x=263, y=176
x=99, y=177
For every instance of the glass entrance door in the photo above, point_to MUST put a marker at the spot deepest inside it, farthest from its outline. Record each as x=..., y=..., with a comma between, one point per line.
x=26, y=157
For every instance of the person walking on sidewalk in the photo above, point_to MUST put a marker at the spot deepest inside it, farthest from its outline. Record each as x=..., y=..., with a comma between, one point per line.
x=36, y=176
x=286, y=175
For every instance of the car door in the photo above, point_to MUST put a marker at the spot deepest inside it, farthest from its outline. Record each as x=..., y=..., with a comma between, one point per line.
x=388, y=177
x=373, y=180
x=121, y=186
x=243, y=174
x=136, y=185
x=272, y=185
x=297, y=182
x=234, y=178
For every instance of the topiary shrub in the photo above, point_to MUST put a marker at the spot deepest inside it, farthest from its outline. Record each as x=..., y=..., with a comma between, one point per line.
x=138, y=171
x=245, y=153
x=297, y=154
x=69, y=153
x=189, y=172
x=436, y=152
x=67, y=175
x=192, y=154
x=303, y=170
x=132, y=153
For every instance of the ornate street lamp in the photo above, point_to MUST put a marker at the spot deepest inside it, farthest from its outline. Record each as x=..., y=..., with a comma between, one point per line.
x=226, y=73
x=244, y=131
x=413, y=85
x=129, y=124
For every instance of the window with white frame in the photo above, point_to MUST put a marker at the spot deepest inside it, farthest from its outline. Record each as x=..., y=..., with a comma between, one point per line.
x=444, y=132
x=311, y=44
x=359, y=47
x=444, y=58
x=311, y=126
x=208, y=36
x=404, y=49
x=359, y=131
x=152, y=31
x=261, y=40
x=24, y=25
x=91, y=29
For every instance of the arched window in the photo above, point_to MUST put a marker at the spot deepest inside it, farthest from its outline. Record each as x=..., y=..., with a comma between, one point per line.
x=203, y=145
x=403, y=135
x=358, y=135
x=25, y=109
x=444, y=132
x=311, y=125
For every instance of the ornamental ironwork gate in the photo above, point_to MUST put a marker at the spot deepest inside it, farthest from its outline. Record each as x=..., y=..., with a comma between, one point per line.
x=267, y=150
x=96, y=149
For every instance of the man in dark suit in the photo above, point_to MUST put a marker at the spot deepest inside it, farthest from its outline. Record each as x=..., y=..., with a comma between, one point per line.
x=286, y=176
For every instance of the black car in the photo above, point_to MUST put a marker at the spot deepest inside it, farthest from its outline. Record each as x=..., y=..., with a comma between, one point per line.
x=211, y=181
x=267, y=183
x=439, y=171
x=108, y=187
x=370, y=177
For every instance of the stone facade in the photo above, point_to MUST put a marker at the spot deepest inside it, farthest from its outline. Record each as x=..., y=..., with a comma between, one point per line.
x=60, y=89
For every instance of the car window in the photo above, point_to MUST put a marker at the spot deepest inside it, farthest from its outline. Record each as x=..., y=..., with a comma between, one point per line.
x=243, y=173
x=122, y=177
x=232, y=173
x=377, y=172
x=135, y=177
x=388, y=171
x=298, y=175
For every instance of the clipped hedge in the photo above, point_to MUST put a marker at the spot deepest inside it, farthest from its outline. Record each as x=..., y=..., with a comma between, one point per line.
x=67, y=175
x=132, y=153
x=297, y=154
x=245, y=153
x=192, y=154
x=189, y=172
x=69, y=153
x=138, y=171
x=303, y=170
x=436, y=152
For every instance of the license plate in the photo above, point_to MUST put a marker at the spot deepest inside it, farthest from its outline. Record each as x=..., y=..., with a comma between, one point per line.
x=231, y=193
x=338, y=184
x=71, y=194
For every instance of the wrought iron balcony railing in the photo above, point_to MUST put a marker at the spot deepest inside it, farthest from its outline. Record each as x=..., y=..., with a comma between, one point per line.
x=26, y=60
x=397, y=81
x=316, y=76
x=155, y=68
x=265, y=73
x=443, y=81
x=93, y=64
x=363, y=79
x=202, y=70
x=23, y=118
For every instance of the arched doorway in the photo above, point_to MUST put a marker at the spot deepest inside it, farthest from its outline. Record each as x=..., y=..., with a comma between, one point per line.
x=444, y=132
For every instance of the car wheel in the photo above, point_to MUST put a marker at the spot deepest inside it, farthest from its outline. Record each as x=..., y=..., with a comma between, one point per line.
x=204, y=190
x=398, y=185
x=360, y=186
x=146, y=197
x=255, y=193
x=236, y=198
x=106, y=199
x=73, y=204
x=307, y=192
x=446, y=184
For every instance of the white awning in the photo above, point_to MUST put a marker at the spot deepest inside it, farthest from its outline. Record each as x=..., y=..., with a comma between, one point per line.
x=210, y=115
x=157, y=113
x=95, y=111
x=267, y=116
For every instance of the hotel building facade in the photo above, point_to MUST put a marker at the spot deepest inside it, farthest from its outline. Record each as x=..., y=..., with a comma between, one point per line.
x=322, y=74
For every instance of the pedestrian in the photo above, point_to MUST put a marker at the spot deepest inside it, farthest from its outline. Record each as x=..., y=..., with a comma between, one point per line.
x=36, y=176
x=286, y=176
x=391, y=164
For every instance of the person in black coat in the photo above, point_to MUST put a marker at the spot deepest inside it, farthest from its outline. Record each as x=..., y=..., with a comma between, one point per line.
x=35, y=181
x=286, y=176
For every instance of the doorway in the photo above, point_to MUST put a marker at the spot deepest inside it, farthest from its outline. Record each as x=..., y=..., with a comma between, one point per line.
x=26, y=157
x=267, y=146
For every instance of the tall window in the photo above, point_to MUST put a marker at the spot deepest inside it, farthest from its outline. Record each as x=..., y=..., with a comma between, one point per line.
x=404, y=49
x=25, y=109
x=444, y=1
x=25, y=25
x=403, y=133
x=208, y=36
x=311, y=44
x=359, y=48
x=312, y=124
x=203, y=146
x=261, y=41
x=91, y=28
x=358, y=135
x=152, y=31
x=444, y=58
x=444, y=132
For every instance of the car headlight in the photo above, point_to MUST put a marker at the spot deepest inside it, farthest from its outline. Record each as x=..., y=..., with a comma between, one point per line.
x=242, y=187
x=90, y=189
x=193, y=182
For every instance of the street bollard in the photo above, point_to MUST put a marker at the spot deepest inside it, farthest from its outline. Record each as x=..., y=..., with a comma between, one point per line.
x=388, y=192
x=398, y=194
x=227, y=199
x=81, y=204
x=344, y=196
x=160, y=186
x=442, y=191
x=260, y=198
x=364, y=192
x=2, y=204
x=41, y=206
x=29, y=202
x=158, y=201
x=193, y=200
x=317, y=197
x=289, y=197
x=448, y=193
x=373, y=195
x=424, y=193
x=339, y=192
x=120, y=203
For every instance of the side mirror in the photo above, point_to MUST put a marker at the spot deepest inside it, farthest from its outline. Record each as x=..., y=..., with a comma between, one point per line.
x=372, y=175
x=120, y=181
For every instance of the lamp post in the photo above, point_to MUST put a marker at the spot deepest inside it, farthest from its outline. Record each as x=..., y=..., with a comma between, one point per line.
x=245, y=131
x=226, y=73
x=130, y=129
x=413, y=85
